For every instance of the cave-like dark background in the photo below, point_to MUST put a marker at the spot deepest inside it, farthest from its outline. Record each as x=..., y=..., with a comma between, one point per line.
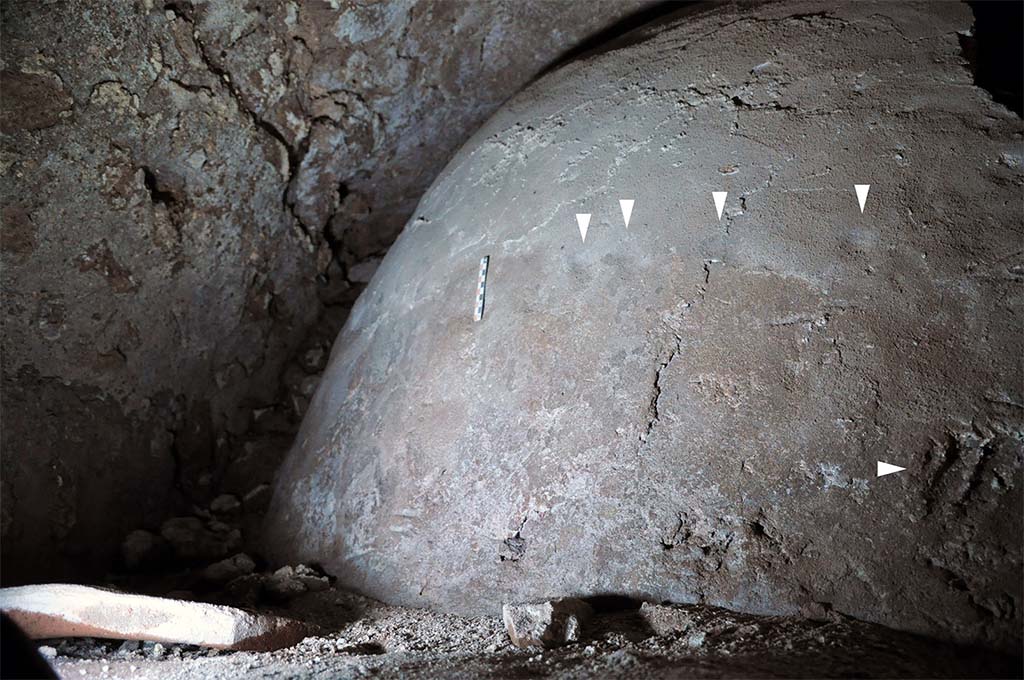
x=194, y=196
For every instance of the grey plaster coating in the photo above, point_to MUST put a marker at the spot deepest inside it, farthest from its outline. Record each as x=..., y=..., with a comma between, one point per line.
x=692, y=409
x=193, y=193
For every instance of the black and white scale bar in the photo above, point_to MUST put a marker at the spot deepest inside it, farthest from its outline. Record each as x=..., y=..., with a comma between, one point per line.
x=481, y=287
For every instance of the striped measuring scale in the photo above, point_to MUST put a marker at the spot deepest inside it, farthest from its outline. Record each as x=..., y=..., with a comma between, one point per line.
x=481, y=287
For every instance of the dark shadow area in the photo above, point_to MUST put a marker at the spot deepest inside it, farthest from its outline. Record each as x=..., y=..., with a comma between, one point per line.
x=614, y=37
x=364, y=649
x=617, y=614
x=18, y=655
x=996, y=50
x=611, y=604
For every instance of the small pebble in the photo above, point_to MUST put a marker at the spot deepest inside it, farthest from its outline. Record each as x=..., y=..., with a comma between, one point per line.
x=622, y=657
x=48, y=651
x=695, y=640
x=225, y=504
x=127, y=647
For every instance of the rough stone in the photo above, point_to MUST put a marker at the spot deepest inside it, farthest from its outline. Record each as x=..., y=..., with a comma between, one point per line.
x=230, y=568
x=185, y=186
x=225, y=504
x=245, y=590
x=32, y=101
x=546, y=624
x=311, y=579
x=59, y=610
x=193, y=540
x=314, y=360
x=284, y=584
x=257, y=462
x=141, y=548
x=665, y=620
x=128, y=647
x=257, y=499
x=381, y=641
x=691, y=409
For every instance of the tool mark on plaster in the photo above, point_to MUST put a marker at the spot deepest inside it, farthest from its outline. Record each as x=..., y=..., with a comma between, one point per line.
x=960, y=464
x=677, y=536
x=984, y=455
x=654, y=413
x=654, y=407
x=654, y=410
x=513, y=547
x=762, y=529
x=709, y=541
x=157, y=193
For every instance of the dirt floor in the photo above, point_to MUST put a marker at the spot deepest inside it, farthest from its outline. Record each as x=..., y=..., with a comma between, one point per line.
x=365, y=638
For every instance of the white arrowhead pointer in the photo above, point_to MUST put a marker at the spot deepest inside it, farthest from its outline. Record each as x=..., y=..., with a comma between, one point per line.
x=886, y=469
x=583, y=220
x=627, y=209
x=719, y=201
x=862, y=194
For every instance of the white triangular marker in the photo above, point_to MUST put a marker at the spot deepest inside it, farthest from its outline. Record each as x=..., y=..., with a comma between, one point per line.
x=583, y=219
x=719, y=201
x=886, y=469
x=627, y=209
x=862, y=194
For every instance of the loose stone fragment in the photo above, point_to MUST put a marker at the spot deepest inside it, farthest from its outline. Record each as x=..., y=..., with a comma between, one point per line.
x=191, y=540
x=128, y=647
x=547, y=624
x=230, y=568
x=225, y=504
x=257, y=499
x=61, y=610
x=245, y=590
x=288, y=582
x=283, y=584
x=313, y=581
x=665, y=619
x=141, y=547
